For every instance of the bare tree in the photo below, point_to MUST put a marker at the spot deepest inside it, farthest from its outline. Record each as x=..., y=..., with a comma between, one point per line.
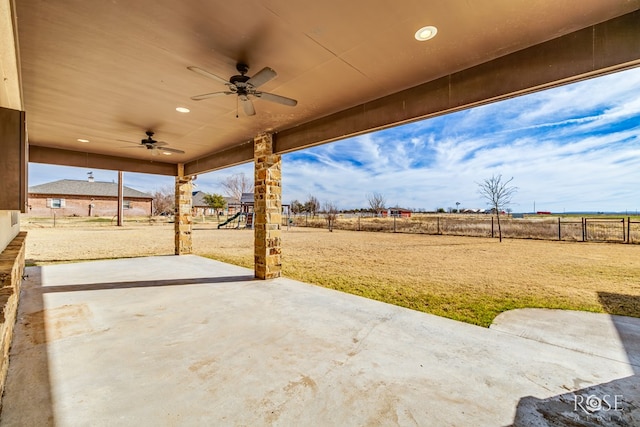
x=498, y=193
x=376, y=202
x=163, y=200
x=331, y=212
x=236, y=184
x=312, y=205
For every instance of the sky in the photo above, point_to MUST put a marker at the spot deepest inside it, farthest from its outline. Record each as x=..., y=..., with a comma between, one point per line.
x=575, y=148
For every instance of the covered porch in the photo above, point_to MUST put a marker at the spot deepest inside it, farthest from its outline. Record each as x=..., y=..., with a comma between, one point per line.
x=168, y=340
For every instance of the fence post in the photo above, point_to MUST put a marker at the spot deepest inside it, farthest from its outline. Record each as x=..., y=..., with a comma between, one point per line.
x=624, y=237
x=584, y=229
x=438, y=224
x=559, y=230
x=394, y=223
x=628, y=229
x=492, y=227
x=359, y=216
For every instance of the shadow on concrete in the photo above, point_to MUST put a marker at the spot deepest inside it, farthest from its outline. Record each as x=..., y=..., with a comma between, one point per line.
x=615, y=403
x=143, y=284
x=29, y=358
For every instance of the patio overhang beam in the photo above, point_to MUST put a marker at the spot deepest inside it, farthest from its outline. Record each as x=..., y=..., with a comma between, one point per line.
x=57, y=156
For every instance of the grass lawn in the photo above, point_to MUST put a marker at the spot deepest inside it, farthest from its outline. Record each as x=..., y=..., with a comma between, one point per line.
x=463, y=278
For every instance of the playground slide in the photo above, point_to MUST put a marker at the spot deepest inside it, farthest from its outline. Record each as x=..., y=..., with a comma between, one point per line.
x=230, y=219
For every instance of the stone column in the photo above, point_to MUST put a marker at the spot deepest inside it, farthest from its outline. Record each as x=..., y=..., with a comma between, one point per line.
x=267, y=209
x=182, y=223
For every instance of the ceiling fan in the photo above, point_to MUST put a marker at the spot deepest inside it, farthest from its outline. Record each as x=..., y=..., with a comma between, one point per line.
x=155, y=146
x=244, y=86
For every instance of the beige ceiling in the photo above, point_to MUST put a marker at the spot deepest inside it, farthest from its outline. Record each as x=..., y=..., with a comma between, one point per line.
x=110, y=70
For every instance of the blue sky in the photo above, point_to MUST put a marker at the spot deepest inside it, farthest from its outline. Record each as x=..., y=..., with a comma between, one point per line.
x=572, y=148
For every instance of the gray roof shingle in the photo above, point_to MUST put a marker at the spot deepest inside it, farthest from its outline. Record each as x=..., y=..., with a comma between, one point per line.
x=72, y=187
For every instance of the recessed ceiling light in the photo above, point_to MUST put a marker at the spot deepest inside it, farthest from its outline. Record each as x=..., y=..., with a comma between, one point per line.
x=82, y=140
x=426, y=33
x=166, y=153
x=182, y=110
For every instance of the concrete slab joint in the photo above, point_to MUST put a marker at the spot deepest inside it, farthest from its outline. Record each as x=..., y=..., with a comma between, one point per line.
x=183, y=218
x=267, y=209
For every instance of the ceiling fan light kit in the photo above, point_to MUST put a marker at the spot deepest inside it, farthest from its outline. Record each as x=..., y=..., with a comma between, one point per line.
x=156, y=147
x=244, y=87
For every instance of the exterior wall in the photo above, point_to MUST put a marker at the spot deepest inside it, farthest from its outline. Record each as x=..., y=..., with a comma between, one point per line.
x=11, y=270
x=9, y=227
x=79, y=206
x=207, y=211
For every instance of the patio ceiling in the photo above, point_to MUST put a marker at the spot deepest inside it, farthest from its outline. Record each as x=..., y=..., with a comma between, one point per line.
x=109, y=71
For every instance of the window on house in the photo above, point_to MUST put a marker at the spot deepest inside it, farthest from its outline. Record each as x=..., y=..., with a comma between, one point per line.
x=126, y=204
x=55, y=203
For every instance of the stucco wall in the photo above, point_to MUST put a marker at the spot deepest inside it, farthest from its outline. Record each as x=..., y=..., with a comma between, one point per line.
x=8, y=231
x=79, y=206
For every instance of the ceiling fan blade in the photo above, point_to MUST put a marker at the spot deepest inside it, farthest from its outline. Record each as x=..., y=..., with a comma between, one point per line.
x=136, y=146
x=262, y=77
x=171, y=150
x=247, y=106
x=160, y=143
x=209, y=95
x=205, y=73
x=276, y=98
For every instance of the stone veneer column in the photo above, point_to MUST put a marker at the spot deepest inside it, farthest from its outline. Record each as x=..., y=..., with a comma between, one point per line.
x=182, y=222
x=267, y=209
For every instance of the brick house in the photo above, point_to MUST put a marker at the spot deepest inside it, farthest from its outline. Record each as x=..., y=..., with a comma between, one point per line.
x=200, y=207
x=68, y=197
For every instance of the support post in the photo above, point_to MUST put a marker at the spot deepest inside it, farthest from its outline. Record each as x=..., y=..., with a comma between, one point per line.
x=183, y=219
x=120, y=198
x=267, y=209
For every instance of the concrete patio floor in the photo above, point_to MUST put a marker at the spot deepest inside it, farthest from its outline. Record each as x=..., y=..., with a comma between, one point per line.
x=173, y=341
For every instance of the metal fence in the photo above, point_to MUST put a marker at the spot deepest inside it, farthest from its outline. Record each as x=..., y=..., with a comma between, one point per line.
x=579, y=229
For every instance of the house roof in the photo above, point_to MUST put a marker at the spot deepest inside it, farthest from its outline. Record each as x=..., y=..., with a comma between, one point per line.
x=231, y=200
x=72, y=187
x=247, y=199
x=198, y=199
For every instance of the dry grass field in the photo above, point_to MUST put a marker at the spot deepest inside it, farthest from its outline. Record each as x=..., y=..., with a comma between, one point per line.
x=464, y=278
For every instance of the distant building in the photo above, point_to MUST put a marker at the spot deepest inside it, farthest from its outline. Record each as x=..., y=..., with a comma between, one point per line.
x=68, y=197
x=200, y=206
x=397, y=212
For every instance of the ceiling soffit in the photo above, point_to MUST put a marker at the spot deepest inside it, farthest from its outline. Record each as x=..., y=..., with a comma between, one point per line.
x=109, y=71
